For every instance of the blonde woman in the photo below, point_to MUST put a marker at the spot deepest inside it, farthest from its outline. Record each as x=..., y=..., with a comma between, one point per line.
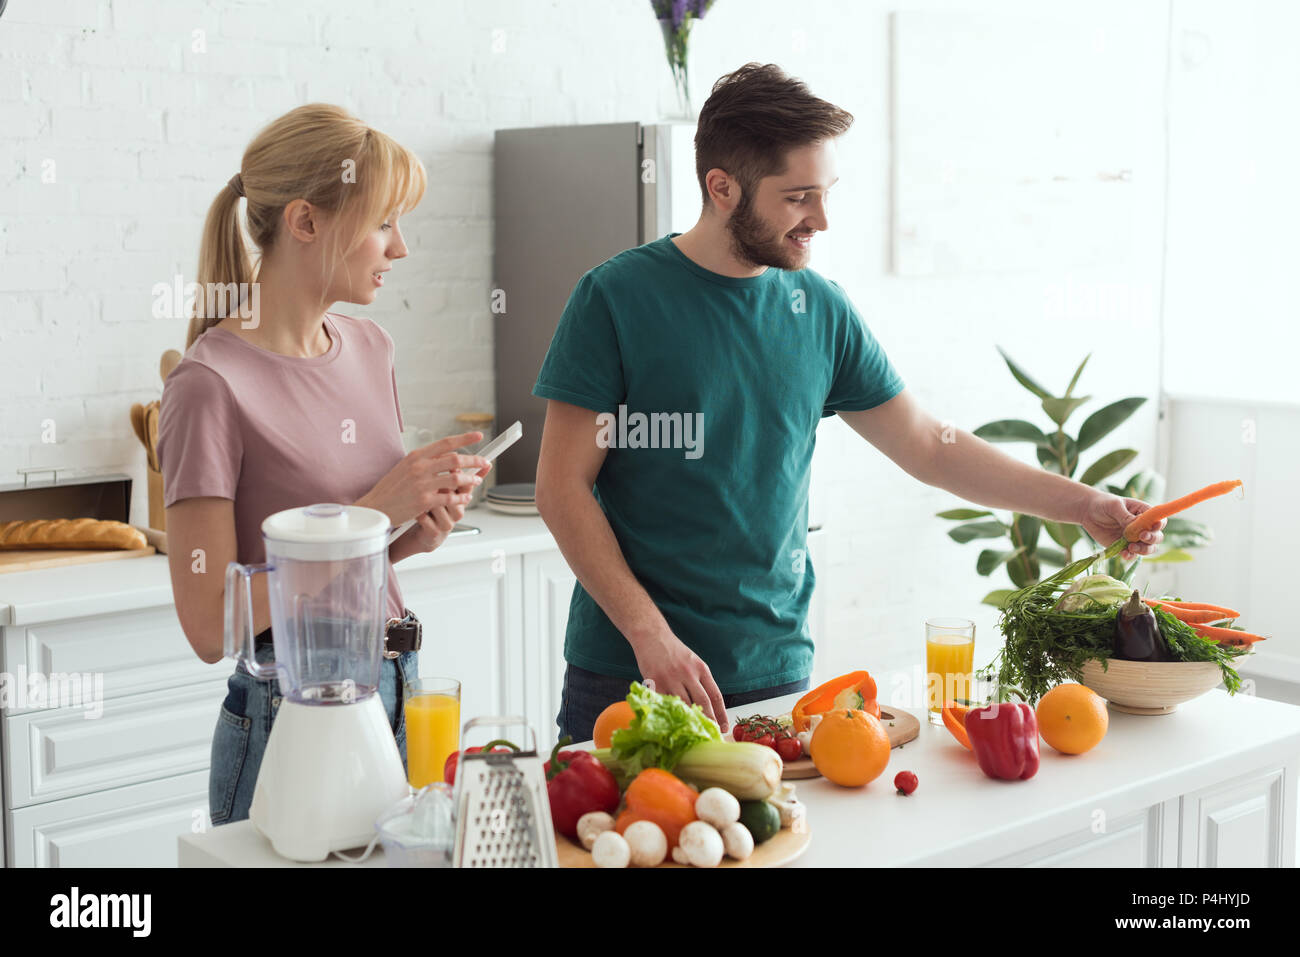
x=291, y=404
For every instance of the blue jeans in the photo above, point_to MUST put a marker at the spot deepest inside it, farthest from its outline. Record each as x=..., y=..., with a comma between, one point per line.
x=244, y=725
x=586, y=694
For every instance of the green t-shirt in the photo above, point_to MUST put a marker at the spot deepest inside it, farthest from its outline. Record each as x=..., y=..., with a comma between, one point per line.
x=714, y=387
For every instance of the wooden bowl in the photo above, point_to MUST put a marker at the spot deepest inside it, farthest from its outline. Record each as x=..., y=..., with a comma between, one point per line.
x=1151, y=687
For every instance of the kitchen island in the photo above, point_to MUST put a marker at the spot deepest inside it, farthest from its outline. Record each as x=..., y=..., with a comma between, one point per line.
x=1211, y=785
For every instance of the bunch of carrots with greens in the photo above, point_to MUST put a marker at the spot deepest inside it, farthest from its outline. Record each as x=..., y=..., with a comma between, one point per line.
x=1045, y=645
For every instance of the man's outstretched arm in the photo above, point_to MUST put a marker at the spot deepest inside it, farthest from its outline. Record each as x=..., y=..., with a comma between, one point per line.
x=959, y=462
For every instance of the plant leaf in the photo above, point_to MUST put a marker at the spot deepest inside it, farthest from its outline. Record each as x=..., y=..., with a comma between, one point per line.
x=962, y=513
x=1105, y=420
x=971, y=530
x=1049, y=459
x=1172, y=555
x=1058, y=410
x=1147, y=484
x=1012, y=430
x=1023, y=378
x=1069, y=390
x=990, y=559
x=998, y=597
x=1023, y=568
x=1052, y=556
x=1063, y=533
x=1107, y=465
x=1185, y=533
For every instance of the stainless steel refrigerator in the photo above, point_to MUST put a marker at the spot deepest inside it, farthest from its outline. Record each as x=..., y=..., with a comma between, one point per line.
x=565, y=199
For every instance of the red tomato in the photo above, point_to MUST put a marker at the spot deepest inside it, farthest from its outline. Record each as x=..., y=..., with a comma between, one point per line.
x=766, y=739
x=789, y=748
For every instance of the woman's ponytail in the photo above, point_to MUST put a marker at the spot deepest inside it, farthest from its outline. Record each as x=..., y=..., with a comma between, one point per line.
x=225, y=276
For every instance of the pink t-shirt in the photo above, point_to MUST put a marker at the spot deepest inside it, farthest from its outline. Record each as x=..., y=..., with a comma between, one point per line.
x=273, y=432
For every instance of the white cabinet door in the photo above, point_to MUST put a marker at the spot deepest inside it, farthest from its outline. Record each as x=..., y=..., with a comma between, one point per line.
x=1238, y=823
x=470, y=613
x=1142, y=839
x=135, y=826
x=548, y=587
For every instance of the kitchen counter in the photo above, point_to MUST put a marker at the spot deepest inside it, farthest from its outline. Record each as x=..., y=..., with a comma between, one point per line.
x=96, y=588
x=1212, y=784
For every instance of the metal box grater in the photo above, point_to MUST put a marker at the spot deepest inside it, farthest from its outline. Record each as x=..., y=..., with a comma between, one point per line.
x=503, y=813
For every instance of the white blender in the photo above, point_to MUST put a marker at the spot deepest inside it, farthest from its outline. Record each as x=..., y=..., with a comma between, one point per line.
x=331, y=765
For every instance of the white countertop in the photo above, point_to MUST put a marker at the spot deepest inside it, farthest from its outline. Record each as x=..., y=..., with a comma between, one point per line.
x=957, y=816
x=75, y=591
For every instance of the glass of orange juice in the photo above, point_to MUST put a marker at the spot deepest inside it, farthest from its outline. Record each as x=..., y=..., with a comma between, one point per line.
x=949, y=659
x=432, y=727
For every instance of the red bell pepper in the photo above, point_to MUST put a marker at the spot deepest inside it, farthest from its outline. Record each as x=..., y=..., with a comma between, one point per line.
x=453, y=759
x=1004, y=738
x=577, y=783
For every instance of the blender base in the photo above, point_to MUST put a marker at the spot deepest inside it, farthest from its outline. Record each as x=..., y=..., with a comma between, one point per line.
x=328, y=773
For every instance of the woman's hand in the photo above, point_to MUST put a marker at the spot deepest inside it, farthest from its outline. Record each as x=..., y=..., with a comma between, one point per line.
x=1107, y=516
x=432, y=528
x=426, y=479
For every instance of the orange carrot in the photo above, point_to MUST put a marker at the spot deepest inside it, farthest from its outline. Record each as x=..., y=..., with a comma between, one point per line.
x=1170, y=606
x=1153, y=515
x=1227, y=636
x=1192, y=616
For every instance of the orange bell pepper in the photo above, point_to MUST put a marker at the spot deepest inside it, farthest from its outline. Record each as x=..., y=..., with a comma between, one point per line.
x=658, y=796
x=954, y=719
x=854, y=691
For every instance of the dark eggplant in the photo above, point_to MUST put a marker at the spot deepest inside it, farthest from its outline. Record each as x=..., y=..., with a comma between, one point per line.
x=1137, y=633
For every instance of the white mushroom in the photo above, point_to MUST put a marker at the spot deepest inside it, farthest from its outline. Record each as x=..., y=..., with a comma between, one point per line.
x=680, y=856
x=648, y=843
x=702, y=844
x=610, y=850
x=793, y=812
x=737, y=841
x=717, y=807
x=591, y=825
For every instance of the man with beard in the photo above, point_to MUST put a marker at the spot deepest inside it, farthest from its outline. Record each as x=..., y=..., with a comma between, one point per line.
x=691, y=562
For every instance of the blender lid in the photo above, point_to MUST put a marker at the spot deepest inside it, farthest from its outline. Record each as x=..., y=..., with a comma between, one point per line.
x=326, y=531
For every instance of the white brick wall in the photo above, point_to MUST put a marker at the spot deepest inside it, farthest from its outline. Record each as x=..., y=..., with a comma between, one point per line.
x=144, y=131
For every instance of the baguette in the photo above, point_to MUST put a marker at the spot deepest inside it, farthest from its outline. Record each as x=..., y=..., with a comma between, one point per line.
x=69, y=533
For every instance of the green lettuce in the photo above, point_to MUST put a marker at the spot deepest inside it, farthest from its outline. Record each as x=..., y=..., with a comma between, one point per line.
x=665, y=728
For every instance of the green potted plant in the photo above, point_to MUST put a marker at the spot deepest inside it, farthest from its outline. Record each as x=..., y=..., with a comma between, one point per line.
x=1023, y=553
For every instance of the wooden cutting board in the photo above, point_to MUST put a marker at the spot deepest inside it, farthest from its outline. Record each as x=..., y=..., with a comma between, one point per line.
x=782, y=848
x=899, y=724
x=27, y=559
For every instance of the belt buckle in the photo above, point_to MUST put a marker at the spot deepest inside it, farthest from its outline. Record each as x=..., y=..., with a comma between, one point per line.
x=387, y=625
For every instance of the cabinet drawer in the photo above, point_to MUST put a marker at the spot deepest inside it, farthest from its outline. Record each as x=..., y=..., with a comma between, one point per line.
x=134, y=652
x=60, y=753
x=136, y=826
x=1134, y=840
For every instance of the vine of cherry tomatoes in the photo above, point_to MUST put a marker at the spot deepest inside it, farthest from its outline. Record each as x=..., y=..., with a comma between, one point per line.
x=769, y=732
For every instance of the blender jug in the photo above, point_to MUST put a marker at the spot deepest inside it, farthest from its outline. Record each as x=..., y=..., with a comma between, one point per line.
x=327, y=586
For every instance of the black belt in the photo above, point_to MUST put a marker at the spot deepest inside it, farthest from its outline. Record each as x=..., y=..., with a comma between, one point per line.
x=401, y=635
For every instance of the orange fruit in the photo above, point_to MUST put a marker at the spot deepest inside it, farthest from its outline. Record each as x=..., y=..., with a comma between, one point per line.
x=616, y=716
x=850, y=747
x=1072, y=718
